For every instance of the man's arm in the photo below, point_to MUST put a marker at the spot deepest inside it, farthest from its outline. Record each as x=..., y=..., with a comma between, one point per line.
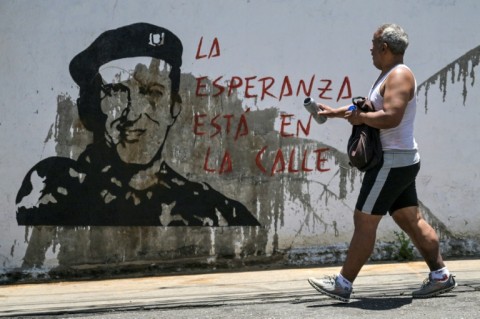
x=397, y=91
x=331, y=112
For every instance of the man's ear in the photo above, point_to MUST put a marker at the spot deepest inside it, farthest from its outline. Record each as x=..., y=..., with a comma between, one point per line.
x=384, y=46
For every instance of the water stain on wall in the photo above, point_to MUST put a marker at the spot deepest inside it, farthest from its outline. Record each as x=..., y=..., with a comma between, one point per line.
x=264, y=195
x=462, y=69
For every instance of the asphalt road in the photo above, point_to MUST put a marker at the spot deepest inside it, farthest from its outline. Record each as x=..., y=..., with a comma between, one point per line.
x=461, y=304
x=381, y=291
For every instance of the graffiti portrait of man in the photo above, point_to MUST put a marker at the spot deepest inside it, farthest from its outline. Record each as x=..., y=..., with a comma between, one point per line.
x=121, y=179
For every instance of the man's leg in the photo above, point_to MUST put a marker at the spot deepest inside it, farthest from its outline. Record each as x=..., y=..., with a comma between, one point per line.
x=361, y=245
x=426, y=240
x=422, y=235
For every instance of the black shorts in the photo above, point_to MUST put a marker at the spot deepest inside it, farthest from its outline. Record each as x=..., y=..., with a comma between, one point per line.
x=390, y=185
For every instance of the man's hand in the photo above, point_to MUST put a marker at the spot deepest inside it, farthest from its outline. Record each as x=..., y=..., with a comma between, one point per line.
x=355, y=117
x=330, y=112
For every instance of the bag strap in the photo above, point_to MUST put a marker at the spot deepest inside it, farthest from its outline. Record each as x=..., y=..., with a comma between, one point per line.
x=364, y=104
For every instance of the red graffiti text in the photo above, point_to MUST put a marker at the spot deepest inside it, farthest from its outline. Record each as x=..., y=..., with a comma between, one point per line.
x=287, y=162
x=262, y=87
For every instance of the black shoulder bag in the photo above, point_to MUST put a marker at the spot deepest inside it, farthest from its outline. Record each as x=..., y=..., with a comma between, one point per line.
x=364, y=147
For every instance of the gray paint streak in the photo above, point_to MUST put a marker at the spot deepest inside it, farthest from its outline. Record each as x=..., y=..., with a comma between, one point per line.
x=466, y=65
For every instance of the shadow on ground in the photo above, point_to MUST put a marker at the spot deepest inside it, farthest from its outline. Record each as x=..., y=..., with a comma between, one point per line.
x=371, y=303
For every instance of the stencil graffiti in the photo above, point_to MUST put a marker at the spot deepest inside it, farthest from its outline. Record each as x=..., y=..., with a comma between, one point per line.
x=121, y=178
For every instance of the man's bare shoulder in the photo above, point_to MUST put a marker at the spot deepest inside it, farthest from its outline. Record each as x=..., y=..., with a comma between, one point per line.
x=400, y=81
x=401, y=74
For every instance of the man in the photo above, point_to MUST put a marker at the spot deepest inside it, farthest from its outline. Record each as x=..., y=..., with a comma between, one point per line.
x=390, y=186
x=121, y=179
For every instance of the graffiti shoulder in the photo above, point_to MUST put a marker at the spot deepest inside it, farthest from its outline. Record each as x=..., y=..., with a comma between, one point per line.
x=229, y=212
x=48, y=180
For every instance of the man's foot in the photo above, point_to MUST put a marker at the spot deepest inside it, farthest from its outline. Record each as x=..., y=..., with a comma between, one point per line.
x=331, y=287
x=432, y=287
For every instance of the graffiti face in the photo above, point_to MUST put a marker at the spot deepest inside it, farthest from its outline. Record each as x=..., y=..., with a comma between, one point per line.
x=137, y=106
x=122, y=178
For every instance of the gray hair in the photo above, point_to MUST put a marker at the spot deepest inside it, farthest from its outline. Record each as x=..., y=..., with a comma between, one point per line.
x=395, y=37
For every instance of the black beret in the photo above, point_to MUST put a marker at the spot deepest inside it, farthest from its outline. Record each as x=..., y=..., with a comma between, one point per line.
x=135, y=40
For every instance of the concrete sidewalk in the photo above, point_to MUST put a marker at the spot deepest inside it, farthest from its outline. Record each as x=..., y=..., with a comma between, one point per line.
x=163, y=292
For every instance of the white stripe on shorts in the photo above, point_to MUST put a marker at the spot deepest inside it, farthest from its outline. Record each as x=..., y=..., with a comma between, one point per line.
x=391, y=159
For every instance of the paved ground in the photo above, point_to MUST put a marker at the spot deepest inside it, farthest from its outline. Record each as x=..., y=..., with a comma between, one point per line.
x=381, y=291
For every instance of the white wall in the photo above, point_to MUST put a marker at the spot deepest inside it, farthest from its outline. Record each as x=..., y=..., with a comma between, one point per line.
x=298, y=38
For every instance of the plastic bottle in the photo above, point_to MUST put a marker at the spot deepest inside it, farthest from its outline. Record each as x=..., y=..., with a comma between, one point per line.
x=313, y=109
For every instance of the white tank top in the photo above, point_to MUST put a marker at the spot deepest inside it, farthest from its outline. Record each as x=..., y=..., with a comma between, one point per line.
x=400, y=137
